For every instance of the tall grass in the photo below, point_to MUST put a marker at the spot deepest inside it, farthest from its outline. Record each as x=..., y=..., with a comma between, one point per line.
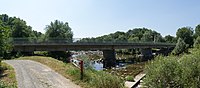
x=96, y=79
x=7, y=80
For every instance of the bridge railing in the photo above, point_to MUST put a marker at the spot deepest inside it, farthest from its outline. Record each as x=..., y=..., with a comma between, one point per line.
x=19, y=41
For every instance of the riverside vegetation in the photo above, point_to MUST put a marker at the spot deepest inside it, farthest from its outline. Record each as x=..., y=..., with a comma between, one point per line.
x=174, y=71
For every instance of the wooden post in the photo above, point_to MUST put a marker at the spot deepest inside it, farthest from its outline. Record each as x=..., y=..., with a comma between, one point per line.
x=81, y=68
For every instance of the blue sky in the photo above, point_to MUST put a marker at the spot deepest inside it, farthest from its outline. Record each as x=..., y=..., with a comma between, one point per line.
x=91, y=18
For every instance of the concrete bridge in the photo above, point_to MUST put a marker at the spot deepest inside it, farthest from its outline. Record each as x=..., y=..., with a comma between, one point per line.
x=108, y=48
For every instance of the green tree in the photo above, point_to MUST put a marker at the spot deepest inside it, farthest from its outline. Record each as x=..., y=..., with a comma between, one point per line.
x=181, y=47
x=174, y=71
x=21, y=30
x=185, y=33
x=133, y=39
x=170, y=39
x=197, y=42
x=59, y=30
x=197, y=30
x=137, y=32
x=148, y=36
x=4, y=39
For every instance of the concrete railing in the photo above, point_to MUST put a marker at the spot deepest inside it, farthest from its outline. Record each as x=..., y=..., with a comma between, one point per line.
x=55, y=41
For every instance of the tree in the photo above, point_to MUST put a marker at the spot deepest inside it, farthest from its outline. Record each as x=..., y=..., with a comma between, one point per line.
x=4, y=39
x=197, y=30
x=197, y=42
x=148, y=36
x=59, y=30
x=133, y=39
x=21, y=30
x=170, y=39
x=137, y=32
x=181, y=47
x=185, y=33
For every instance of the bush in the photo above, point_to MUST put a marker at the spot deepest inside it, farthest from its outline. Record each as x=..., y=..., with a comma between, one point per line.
x=130, y=78
x=181, y=47
x=170, y=72
x=197, y=42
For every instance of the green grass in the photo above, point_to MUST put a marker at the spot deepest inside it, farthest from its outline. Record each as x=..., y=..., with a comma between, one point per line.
x=7, y=76
x=91, y=79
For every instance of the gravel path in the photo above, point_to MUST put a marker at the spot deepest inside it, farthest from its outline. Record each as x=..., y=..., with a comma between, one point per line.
x=32, y=74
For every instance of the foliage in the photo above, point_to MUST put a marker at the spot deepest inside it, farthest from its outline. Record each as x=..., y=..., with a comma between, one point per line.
x=17, y=26
x=134, y=35
x=58, y=30
x=130, y=78
x=180, y=47
x=197, y=42
x=12, y=28
x=21, y=30
x=197, y=30
x=185, y=33
x=7, y=76
x=4, y=39
x=170, y=39
x=174, y=72
x=147, y=36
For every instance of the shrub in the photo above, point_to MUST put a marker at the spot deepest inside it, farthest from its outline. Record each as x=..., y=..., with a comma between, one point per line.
x=197, y=42
x=101, y=79
x=170, y=72
x=181, y=47
x=96, y=79
x=130, y=78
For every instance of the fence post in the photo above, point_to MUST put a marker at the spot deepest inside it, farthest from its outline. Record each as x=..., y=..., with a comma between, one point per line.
x=81, y=68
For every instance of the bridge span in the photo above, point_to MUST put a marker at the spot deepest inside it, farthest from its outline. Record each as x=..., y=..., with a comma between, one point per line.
x=108, y=48
x=28, y=47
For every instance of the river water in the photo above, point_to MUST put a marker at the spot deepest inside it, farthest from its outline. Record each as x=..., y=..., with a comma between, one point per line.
x=97, y=65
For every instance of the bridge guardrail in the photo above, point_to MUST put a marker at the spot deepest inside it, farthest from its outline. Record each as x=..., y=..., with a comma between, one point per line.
x=32, y=41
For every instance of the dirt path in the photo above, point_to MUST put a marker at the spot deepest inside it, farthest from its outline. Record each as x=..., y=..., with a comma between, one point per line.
x=32, y=74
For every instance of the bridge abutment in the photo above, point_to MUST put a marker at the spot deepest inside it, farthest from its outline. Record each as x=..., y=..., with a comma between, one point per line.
x=109, y=58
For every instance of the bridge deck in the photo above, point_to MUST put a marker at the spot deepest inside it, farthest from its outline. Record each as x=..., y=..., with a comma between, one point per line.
x=85, y=46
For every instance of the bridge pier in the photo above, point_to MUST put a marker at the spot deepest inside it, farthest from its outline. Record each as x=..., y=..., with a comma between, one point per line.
x=109, y=58
x=147, y=53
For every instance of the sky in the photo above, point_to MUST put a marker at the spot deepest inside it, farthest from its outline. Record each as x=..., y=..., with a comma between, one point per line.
x=92, y=18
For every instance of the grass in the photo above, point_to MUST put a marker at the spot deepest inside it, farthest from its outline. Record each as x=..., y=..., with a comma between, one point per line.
x=92, y=78
x=7, y=76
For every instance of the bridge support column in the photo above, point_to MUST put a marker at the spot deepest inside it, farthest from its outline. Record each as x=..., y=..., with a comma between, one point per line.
x=109, y=58
x=147, y=53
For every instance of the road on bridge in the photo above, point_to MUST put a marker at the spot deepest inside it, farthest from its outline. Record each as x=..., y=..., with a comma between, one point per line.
x=30, y=74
